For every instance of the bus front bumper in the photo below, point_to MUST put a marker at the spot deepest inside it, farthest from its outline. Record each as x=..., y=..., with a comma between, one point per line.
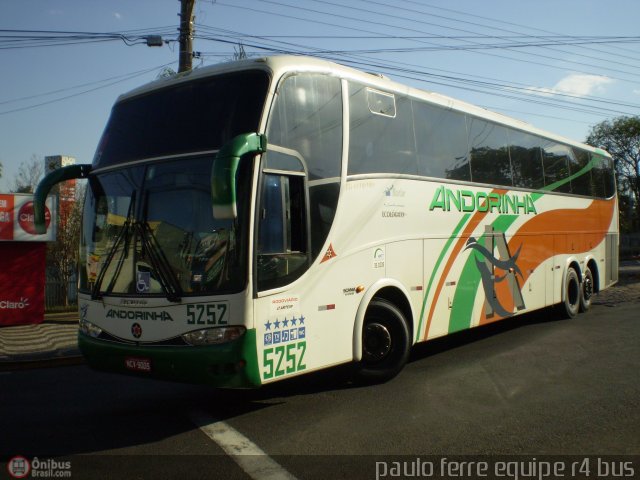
x=232, y=365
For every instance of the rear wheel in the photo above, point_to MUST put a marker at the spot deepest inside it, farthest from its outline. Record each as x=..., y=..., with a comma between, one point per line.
x=572, y=294
x=385, y=342
x=587, y=291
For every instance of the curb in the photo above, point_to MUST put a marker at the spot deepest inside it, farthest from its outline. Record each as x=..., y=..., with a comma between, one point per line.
x=44, y=362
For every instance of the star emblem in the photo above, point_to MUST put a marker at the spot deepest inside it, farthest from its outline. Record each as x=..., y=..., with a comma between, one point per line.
x=301, y=319
x=267, y=325
x=276, y=323
x=285, y=322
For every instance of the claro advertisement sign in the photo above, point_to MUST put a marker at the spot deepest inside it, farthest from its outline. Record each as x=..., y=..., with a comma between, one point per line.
x=16, y=219
x=22, y=260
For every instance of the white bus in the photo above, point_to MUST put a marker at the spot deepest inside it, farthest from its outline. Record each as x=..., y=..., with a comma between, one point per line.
x=256, y=220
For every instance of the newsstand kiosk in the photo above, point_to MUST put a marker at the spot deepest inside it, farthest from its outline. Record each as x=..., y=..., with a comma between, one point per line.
x=22, y=259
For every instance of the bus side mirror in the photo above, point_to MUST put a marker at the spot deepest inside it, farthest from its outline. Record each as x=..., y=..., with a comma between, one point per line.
x=45, y=186
x=223, y=173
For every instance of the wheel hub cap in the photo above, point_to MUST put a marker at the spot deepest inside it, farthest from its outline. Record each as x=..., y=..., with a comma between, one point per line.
x=377, y=342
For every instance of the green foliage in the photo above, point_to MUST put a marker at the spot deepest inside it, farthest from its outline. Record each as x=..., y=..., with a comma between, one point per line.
x=621, y=138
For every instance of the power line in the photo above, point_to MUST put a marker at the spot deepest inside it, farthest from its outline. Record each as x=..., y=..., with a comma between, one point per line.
x=512, y=86
x=549, y=46
x=352, y=28
x=422, y=22
x=48, y=102
x=442, y=79
x=14, y=39
x=500, y=21
x=66, y=89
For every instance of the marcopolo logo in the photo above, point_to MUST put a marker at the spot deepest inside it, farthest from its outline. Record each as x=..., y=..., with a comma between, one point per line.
x=26, y=218
x=11, y=305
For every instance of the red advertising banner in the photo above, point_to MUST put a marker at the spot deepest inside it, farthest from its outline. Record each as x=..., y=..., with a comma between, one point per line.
x=22, y=267
x=16, y=219
x=6, y=217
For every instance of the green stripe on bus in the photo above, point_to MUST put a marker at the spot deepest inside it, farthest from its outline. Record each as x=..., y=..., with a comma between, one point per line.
x=466, y=290
x=465, y=294
x=564, y=181
x=435, y=269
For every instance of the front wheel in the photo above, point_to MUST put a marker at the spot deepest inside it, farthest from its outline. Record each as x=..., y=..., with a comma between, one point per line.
x=587, y=291
x=385, y=343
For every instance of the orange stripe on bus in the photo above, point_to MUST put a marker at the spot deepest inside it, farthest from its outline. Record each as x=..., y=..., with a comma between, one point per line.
x=567, y=230
x=471, y=226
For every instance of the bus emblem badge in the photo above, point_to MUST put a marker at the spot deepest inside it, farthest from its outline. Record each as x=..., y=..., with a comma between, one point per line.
x=329, y=254
x=136, y=330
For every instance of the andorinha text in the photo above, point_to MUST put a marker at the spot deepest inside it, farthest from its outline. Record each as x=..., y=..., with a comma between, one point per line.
x=447, y=199
x=138, y=315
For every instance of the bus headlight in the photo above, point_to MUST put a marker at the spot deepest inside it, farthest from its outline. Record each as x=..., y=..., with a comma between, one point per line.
x=213, y=336
x=90, y=329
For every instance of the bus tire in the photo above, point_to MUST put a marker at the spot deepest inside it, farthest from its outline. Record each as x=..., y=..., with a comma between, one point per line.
x=572, y=294
x=587, y=291
x=385, y=343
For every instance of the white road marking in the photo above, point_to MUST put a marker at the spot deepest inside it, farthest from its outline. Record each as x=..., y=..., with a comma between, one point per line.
x=251, y=458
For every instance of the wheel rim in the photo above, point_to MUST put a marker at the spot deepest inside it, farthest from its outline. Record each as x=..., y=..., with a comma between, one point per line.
x=377, y=342
x=588, y=288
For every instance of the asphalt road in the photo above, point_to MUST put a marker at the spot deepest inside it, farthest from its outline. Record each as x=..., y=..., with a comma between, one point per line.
x=532, y=386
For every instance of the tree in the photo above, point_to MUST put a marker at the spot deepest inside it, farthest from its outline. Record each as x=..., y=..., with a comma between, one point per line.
x=28, y=176
x=62, y=255
x=621, y=138
x=239, y=53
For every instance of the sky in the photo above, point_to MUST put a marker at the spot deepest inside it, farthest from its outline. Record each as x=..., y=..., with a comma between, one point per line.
x=561, y=65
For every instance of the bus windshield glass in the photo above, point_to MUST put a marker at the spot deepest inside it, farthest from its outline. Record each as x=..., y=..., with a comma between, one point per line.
x=196, y=116
x=149, y=230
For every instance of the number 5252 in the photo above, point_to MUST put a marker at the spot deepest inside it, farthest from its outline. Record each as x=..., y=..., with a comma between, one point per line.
x=284, y=359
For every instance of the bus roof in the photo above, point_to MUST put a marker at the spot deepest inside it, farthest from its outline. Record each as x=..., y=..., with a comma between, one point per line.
x=282, y=64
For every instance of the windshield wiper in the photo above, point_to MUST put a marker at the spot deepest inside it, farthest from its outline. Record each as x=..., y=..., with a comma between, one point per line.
x=159, y=262
x=123, y=236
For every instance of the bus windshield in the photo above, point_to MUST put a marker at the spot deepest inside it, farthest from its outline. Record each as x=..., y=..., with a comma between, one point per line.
x=148, y=230
x=148, y=225
x=189, y=117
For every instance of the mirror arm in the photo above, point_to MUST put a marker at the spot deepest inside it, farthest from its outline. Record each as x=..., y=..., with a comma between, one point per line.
x=223, y=173
x=47, y=183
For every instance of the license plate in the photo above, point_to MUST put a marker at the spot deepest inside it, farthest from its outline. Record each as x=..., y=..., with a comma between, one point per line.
x=138, y=364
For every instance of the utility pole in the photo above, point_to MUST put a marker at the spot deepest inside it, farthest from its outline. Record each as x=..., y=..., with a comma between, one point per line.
x=186, y=35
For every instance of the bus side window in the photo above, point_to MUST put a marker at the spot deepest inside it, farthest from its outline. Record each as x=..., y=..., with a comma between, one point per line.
x=579, y=163
x=489, y=147
x=382, y=138
x=602, y=178
x=441, y=142
x=526, y=159
x=307, y=118
x=556, y=166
